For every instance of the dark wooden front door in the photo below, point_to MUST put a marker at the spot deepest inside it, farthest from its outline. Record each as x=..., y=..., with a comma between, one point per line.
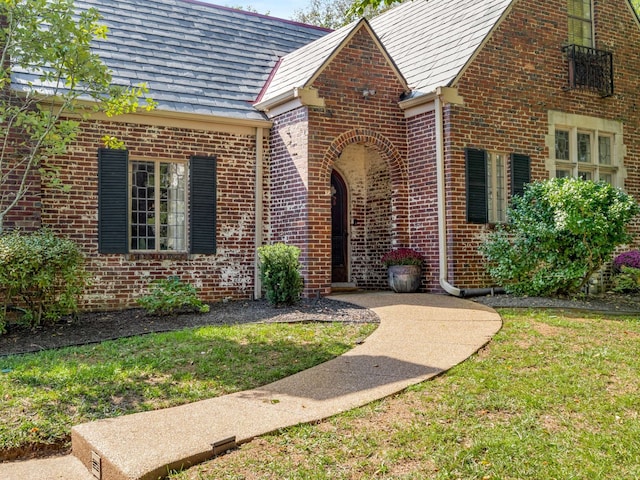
x=339, y=230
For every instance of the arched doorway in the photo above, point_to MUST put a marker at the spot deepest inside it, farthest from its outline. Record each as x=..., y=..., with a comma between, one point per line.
x=339, y=230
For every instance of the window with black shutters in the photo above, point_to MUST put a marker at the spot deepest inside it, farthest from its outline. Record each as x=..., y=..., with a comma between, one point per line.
x=143, y=204
x=486, y=182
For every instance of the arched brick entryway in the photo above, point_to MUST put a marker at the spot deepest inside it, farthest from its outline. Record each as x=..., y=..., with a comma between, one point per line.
x=378, y=210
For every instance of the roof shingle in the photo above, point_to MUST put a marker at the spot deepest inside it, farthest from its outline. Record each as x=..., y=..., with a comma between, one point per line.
x=194, y=57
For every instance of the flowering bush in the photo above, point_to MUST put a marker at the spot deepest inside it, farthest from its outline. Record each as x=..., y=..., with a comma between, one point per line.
x=560, y=232
x=402, y=256
x=627, y=259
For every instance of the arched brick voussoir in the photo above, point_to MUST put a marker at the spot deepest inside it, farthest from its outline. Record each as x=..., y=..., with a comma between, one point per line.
x=396, y=163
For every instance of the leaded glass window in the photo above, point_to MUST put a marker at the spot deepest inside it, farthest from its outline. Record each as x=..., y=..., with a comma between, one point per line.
x=496, y=187
x=604, y=150
x=562, y=145
x=158, y=206
x=584, y=147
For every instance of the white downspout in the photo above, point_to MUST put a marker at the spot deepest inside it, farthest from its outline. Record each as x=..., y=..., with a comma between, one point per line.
x=259, y=211
x=442, y=211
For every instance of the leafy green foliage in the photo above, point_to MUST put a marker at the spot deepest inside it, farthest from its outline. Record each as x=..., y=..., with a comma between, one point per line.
x=335, y=13
x=627, y=280
x=280, y=273
x=48, y=41
x=561, y=231
x=360, y=7
x=171, y=295
x=41, y=275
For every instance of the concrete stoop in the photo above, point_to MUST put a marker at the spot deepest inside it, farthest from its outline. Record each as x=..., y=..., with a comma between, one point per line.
x=416, y=340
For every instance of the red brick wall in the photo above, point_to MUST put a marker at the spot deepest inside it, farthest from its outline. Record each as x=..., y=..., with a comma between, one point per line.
x=347, y=118
x=517, y=77
x=423, y=194
x=288, y=182
x=119, y=279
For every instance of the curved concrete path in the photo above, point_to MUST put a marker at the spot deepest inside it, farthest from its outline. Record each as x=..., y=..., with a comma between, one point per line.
x=419, y=336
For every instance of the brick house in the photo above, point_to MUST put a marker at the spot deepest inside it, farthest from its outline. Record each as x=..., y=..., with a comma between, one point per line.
x=413, y=129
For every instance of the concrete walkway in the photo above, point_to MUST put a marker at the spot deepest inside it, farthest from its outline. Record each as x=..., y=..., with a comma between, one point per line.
x=419, y=337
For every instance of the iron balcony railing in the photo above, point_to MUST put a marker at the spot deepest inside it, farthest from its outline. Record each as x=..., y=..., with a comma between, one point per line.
x=590, y=69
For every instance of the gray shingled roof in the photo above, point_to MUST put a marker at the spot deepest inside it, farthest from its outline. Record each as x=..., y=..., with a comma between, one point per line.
x=429, y=40
x=297, y=68
x=194, y=57
x=432, y=40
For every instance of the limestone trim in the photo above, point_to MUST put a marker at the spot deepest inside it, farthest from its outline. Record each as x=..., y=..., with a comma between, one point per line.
x=590, y=124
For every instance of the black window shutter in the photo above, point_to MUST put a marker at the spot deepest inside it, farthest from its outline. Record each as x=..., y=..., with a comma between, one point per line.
x=476, y=169
x=202, y=205
x=520, y=173
x=113, y=208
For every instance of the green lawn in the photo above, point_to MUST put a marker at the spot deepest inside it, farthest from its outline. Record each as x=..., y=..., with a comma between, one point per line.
x=551, y=397
x=43, y=395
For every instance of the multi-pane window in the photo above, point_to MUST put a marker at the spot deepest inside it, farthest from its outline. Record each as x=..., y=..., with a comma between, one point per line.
x=496, y=187
x=158, y=206
x=584, y=154
x=580, y=23
x=487, y=183
x=142, y=204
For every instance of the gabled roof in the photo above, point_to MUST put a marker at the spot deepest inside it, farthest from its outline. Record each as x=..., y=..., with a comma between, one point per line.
x=432, y=40
x=300, y=68
x=194, y=57
x=297, y=68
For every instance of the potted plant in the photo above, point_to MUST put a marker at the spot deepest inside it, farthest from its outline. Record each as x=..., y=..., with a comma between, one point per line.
x=404, y=269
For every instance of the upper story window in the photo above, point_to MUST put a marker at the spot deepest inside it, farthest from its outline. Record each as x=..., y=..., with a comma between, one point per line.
x=580, y=23
x=585, y=147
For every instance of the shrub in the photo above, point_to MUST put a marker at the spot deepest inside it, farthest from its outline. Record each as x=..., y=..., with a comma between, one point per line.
x=559, y=233
x=280, y=273
x=628, y=259
x=41, y=275
x=402, y=256
x=171, y=295
x=627, y=280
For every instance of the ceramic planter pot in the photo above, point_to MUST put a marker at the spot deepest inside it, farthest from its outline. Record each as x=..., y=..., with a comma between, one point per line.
x=404, y=278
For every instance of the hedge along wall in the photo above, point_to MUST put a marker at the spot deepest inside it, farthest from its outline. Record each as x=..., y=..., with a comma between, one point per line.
x=508, y=90
x=118, y=279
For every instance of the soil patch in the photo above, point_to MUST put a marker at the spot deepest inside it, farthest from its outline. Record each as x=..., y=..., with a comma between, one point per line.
x=97, y=327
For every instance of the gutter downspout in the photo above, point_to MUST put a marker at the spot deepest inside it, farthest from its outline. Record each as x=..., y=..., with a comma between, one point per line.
x=259, y=212
x=442, y=219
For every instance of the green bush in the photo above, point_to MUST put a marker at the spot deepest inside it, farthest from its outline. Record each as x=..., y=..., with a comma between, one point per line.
x=280, y=273
x=627, y=280
x=41, y=275
x=559, y=233
x=170, y=295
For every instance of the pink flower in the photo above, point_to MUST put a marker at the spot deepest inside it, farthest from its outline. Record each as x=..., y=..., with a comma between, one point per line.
x=628, y=259
x=402, y=256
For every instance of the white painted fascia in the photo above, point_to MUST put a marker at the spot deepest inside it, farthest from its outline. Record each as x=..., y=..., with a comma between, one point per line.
x=427, y=102
x=290, y=100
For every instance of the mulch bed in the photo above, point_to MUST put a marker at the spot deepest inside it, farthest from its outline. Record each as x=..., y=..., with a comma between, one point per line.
x=97, y=327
